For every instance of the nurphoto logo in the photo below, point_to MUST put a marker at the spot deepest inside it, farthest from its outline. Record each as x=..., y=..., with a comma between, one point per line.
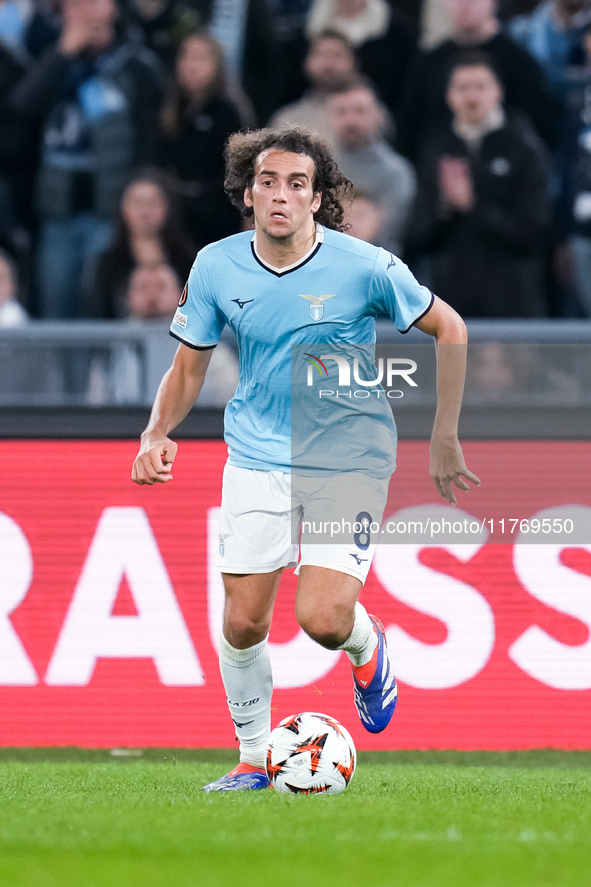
x=387, y=370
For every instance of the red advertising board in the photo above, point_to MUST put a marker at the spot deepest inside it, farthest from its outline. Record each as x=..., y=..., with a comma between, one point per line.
x=110, y=605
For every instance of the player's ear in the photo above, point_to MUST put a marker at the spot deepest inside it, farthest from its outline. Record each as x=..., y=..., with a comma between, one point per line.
x=247, y=197
x=316, y=201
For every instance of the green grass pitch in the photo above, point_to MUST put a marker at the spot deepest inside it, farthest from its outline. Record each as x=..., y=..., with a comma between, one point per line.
x=90, y=819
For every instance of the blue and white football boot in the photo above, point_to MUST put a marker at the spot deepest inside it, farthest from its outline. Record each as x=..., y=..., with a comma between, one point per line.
x=376, y=699
x=244, y=777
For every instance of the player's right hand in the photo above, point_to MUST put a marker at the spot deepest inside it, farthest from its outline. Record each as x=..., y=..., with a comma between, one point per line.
x=153, y=463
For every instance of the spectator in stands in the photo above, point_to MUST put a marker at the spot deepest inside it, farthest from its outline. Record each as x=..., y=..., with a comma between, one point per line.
x=17, y=162
x=482, y=209
x=196, y=119
x=163, y=24
x=330, y=64
x=246, y=31
x=383, y=38
x=12, y=312
x=475, y=26
x=370, y=163
x=575, y=206
x=291, y=47
x=553, y=33
x=153, y=293
x=149, y=233
x=244, y=28
x=94, y=95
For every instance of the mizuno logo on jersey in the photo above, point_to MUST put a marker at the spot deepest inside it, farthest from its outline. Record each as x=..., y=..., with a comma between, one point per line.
x=317, y=308
x=360, y=560
x=242, y=304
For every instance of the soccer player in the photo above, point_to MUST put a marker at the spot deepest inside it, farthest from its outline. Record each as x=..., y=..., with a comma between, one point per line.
x=270, y=287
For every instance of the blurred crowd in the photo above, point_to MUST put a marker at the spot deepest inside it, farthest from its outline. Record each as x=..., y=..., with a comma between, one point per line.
x=464, y=125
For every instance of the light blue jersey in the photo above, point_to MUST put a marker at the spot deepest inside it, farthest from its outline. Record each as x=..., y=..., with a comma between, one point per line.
x=328, y=300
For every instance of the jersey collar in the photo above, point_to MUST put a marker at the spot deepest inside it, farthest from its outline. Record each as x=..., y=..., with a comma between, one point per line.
x=279, y=272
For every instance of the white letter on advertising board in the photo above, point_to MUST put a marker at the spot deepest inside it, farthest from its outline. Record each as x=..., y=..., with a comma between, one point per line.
x=296, y=663
x=124, y=545
x=466, y=614
x=540, y=571
x=16, y=573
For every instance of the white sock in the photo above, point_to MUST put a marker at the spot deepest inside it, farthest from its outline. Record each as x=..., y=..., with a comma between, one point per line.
x=362, y=641
x=249, y=687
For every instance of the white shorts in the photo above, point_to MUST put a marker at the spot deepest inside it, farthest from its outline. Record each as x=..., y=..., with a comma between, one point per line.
x=263, y=515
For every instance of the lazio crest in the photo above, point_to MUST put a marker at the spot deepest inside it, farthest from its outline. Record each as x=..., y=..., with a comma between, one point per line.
x=317, y=307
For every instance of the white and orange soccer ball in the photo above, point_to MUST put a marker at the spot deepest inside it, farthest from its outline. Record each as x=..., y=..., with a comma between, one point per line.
x=310, y=753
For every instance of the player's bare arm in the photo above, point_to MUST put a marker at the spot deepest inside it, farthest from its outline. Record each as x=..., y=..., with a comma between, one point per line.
x=447, y=465
x=176, y=395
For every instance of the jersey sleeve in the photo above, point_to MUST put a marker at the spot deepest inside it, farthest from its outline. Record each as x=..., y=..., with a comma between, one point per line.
x=394, y=290
x=198, y=322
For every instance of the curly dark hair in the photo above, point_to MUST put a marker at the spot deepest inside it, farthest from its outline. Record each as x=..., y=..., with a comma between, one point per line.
x=243, y=148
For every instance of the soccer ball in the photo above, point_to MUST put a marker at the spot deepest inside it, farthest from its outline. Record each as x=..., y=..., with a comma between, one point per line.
x=310, y=753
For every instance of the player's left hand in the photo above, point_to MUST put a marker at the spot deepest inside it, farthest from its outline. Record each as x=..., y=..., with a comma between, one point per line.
x=448, y=467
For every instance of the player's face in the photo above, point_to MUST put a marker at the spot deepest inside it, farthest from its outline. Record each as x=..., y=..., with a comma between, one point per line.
x=473, y=93
x=282, y=194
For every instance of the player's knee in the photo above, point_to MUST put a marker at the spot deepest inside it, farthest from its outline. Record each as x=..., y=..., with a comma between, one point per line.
x=324, y=628
x=243, y=630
